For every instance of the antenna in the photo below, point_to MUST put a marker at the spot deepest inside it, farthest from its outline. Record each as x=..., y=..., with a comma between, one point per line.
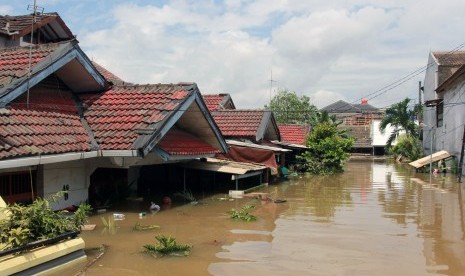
x=271, y=84
x=34, y=14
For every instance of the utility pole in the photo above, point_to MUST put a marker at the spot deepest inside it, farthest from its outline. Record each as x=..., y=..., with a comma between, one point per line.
x=459, y=178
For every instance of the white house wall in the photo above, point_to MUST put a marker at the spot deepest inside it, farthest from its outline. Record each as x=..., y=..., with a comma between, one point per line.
x=75, y=174
x=71, y=173
x=429, y=93
x=449, y=136
x=380, y=139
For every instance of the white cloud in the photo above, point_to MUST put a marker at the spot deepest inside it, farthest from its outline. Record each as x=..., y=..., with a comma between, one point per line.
x=325, y=49
x=6, y=9
x=323, y=98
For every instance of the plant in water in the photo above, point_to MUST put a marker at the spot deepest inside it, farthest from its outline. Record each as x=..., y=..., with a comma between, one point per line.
x=109, y=225
x=140, y=227
x=243, y=213
x=167, y=245
x=186, y=194
x=38, y=221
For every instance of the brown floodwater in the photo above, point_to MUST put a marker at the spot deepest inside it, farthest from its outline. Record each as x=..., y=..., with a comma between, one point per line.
x=376, y=218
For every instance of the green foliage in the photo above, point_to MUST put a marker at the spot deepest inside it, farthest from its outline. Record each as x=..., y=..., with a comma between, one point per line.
x=288, y=108
x=407, y=146
x=187, y=195
x=242, y=214
x=327, y=150
x=401, y=118
x=167, y=246
x=38, y=221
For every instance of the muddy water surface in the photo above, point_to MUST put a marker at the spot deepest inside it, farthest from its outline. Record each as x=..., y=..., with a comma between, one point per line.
x=374, y=219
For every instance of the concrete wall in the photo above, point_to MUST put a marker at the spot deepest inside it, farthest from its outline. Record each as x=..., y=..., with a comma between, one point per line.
x=449, y=136
x=429, y=114
x=380, y=139
x=71, y=174
x=76, y=174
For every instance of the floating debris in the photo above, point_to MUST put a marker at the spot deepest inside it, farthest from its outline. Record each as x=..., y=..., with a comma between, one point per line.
x=140, y=227
x=117, y=216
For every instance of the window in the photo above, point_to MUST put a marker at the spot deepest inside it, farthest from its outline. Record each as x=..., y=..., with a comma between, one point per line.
x=16, y=187
x=439, y=114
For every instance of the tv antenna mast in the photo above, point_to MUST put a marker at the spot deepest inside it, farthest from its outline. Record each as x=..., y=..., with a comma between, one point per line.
x=34, y=9
x=271, y=84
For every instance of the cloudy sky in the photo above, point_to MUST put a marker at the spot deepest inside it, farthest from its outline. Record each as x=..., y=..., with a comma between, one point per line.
x=328, y=50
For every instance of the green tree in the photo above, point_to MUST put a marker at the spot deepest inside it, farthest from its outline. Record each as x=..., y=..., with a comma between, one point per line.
x=327, y=150
x=288, y=108
x=401, y=118
x=407, y=146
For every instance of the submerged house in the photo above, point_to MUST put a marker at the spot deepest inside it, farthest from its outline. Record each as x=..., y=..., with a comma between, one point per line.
x=444, y=113
x=293, y=137
x=72, y=126
x=249, y=134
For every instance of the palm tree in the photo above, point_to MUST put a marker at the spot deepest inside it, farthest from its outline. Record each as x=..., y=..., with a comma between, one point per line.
x=401, y=118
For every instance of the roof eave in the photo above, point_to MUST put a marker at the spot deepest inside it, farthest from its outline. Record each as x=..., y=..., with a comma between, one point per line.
x=49, y=65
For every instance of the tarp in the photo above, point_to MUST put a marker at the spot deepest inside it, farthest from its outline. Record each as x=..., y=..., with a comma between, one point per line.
x=440, y=155
x=252, y=155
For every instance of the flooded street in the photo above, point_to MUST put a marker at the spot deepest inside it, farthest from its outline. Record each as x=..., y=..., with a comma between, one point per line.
x=376, y=218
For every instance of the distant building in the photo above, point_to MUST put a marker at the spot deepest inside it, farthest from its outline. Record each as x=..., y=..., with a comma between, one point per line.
x=362, y=122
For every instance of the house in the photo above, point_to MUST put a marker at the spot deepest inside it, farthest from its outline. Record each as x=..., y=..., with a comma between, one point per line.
x=293, y=137
x=362, y=122
x=444, y=113
x=19, y=30
x=249, y=134
x=218, y=101
x=71, y=126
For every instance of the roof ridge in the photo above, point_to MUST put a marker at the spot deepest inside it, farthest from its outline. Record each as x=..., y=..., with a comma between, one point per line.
x=243, y=110
x=35, y=46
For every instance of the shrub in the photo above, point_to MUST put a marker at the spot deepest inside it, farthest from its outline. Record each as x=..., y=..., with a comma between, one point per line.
x=407, y=146
x=38, y=221
x=328, y=149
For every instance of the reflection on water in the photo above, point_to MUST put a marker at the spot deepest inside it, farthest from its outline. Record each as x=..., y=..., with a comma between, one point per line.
x=376, y=218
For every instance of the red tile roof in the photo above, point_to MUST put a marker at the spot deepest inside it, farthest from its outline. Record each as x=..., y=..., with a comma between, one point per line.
x=109, y=76
x=178, y=142
x=28, y=132
x=294, y=134
x=239, y=123
x=21, y=24
x=48, y=99
x=119, y=114
x=218, y=101
x=14, y=62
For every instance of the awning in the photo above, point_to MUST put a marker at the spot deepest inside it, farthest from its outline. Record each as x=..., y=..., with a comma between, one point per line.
x=237, y=169
x=257, y=146
x=440, y=155
x=290, y=145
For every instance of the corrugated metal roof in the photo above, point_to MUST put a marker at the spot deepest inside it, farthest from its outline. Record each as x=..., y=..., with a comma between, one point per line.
x=224, y=166
x=252, y=145
x=440, y=155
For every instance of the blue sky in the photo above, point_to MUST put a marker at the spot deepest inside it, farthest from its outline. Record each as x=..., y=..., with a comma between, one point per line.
x=328, y=50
